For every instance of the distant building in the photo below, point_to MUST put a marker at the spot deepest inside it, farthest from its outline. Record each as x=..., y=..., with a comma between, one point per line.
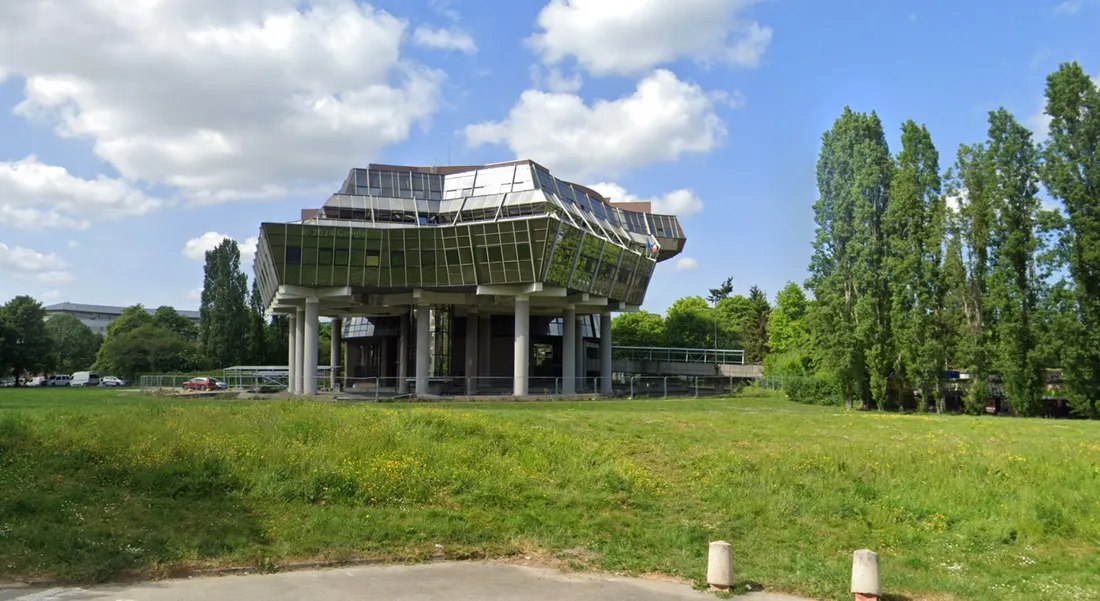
x=97, y=317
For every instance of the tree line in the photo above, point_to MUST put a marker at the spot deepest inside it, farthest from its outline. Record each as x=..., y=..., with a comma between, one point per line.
x=722, y=320
x=233, y=329
x=916, y=271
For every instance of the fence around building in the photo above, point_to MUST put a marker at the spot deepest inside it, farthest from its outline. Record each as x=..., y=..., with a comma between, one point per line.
x=640, y=372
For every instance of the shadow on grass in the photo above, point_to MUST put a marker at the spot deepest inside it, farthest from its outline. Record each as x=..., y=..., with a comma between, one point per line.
x=71, y=513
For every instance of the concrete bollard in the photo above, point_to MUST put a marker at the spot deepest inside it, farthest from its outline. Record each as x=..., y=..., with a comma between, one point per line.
x=866, y=585
x=720, y=566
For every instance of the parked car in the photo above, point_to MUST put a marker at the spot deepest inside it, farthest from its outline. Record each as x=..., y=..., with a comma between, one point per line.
x=58, y=380
x=38, y=381
x=85, y=378
x=204, y=383
x=113, y=381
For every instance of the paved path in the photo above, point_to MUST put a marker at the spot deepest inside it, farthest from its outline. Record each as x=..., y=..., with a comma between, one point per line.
x=452, y=581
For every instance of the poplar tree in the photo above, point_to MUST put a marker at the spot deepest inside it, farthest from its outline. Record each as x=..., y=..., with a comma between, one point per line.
x=846, y=275
x=914, y=226
x=973, y=186
x=1014, y=282
x=1071, y=172
x=223, y=313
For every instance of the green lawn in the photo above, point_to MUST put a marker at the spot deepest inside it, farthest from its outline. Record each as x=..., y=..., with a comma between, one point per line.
x=97, y=484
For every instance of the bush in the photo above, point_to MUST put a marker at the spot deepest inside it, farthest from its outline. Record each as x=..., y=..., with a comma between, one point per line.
x=812, y=390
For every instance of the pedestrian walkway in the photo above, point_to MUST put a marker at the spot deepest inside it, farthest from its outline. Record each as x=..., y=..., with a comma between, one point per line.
x=454, y=581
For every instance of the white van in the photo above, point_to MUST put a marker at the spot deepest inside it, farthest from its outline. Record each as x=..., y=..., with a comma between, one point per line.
x=85, y=378
x=58, y=380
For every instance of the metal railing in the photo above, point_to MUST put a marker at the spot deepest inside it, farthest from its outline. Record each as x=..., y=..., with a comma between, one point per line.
x=678, y=355
x=457, y=387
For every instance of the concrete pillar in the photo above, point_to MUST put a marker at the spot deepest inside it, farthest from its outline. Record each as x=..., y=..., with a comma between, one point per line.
x=569, y=352
x=337, y=355
x=384, y=360
x=472, y=350
x=423, y=348
x=313, y=326
x=484, y=346
x=350, y=363
x=582, y=359
x=300, y=352
x=605, y=353
x=523, y=345
x=403, y=355
x=865, y=579
x=720, y=566
x=292, y=351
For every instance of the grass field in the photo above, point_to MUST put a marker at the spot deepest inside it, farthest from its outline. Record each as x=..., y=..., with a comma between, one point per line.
x=100, y=484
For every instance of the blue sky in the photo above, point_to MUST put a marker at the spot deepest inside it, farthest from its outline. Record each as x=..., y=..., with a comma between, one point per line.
x=130, y=133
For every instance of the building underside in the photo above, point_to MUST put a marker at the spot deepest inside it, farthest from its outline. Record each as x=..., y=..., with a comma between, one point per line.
x=496, y=275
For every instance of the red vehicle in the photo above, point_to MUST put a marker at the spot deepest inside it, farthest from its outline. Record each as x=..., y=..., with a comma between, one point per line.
x=203, y=383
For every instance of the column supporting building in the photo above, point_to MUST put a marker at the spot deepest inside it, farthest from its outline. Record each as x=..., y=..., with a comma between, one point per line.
x=484, y=348
x=472, y=350
x=423, y=348
x=292, y=350
x=569, y=352
x=605, y=353
x=523, y=346
x=350, y=363
x=313, y=306
x=384, y=361
x=336, y=363
x=581, y=356
x=300, y=352
x=403, y=355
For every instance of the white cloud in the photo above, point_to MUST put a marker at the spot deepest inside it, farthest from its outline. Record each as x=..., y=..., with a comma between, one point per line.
x=35, y=195
x=555, y=81
x=686, y=264
x=682, y=202
x=1069, y=7
x=559, y=83
x=445, y=8
x=955, y=201
x=196, y=248
x=23, y=262
x=663, y=119
x=444, y=39
x=220, y=99
x=194, y=294
x=50, y=294
x=74, y=244
x=632, y=37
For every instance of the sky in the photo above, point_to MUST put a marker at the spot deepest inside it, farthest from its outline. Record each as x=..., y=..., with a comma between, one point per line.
x=136, y=134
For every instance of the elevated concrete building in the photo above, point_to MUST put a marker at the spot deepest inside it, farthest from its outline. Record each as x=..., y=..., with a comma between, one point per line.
x=478, y=274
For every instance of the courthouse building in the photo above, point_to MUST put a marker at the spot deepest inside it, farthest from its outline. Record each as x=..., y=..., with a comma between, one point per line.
x=485, y=276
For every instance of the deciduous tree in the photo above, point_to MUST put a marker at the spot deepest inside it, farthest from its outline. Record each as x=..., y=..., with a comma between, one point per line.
x=1014, y=282
x=755, y=327
x=640, y=328
x=75, y=344
x=25, y=346
x=223, y=314
x=1071, y=172
x=914, y=230
x=846, y=271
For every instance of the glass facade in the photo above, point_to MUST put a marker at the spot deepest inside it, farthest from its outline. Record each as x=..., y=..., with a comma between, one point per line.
x=394, y=228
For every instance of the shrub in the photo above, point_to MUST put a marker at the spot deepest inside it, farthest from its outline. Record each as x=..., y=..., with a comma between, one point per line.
x=812, y=390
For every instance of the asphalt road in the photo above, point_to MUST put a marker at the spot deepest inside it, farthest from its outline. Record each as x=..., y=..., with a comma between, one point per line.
x=453, y=581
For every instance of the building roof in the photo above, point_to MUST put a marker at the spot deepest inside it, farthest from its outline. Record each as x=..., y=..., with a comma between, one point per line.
x=68, y=307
